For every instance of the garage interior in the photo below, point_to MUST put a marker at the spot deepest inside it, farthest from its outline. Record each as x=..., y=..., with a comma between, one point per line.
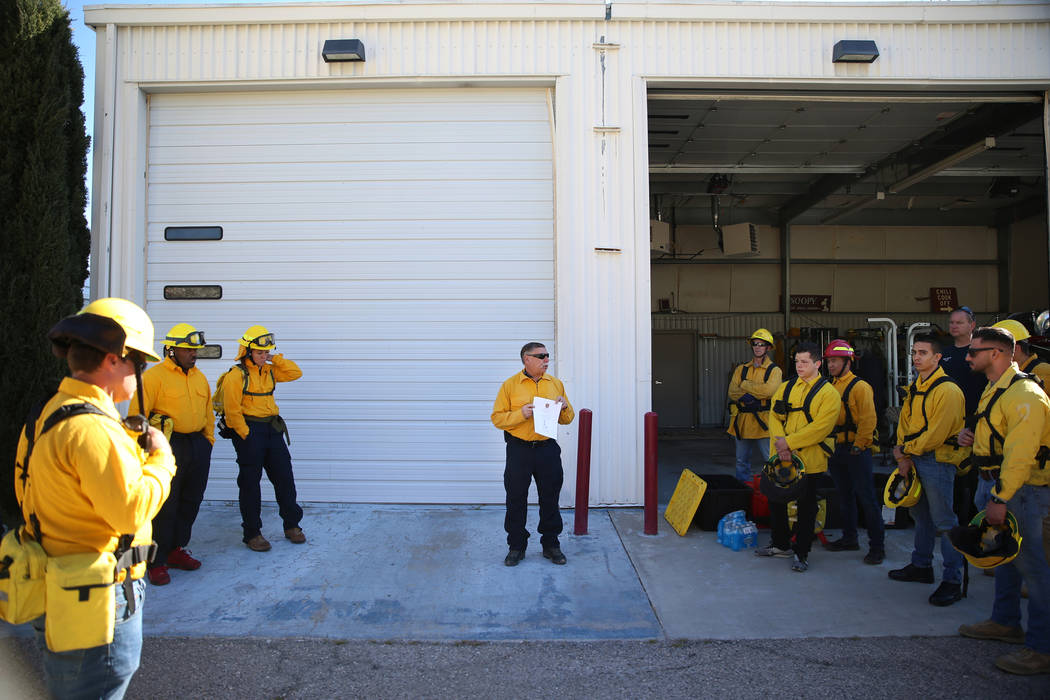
x=872, y=199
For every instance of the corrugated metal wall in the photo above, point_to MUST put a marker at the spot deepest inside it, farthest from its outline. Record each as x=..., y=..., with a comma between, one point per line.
x=602, y=316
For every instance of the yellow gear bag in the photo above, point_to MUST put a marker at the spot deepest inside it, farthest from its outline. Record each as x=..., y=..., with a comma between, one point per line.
x=818, y=523
x=162, y=423
x=23, y=564
x=81, y=601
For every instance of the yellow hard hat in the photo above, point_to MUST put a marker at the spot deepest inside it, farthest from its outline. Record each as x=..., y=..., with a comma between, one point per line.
x=111, y=325
x=987, y=546
x=902, y=491
x=762, y=334
x=183, y=335
x=257, y=338
x=1016, y=328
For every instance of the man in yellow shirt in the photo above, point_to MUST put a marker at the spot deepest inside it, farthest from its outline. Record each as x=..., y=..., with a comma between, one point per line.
x=932, y=413
x=1025, y=357
x=531, y=455
x=176, y=398
x=800, y=424
x=88, y=486
x=851, y=466
x=752, y=385
x=1011, y=447
x=260, y=434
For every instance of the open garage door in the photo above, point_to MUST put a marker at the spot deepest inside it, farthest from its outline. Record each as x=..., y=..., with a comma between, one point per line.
x=400, y=245
x=825, y=208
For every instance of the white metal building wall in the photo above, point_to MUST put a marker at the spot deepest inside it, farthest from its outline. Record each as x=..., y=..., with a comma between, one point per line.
x=600, y=70
x=400, y=245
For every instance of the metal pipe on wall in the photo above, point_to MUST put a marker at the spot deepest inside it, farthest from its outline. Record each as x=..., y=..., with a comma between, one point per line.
x=785, y=274
x=892, y=398
x=912, y=332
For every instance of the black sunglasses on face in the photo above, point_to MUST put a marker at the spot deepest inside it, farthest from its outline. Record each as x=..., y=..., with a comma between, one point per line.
x=976, y=351
x=540, y=355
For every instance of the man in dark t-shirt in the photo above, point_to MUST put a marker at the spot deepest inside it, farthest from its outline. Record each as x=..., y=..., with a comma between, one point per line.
x=961, y=324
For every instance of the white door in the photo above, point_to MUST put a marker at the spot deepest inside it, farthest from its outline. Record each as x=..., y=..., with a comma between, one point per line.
x=399, y=243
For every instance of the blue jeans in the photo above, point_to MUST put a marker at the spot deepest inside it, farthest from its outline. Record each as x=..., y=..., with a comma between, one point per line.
x=935, y=517
x=744, y=451
x=984, y=492
x=853, y=476
x=1029, y=505
x=98, y=672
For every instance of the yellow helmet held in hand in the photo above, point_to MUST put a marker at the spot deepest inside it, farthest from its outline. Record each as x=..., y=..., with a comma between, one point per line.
x=762, y=334
x=111, y=325
x=782, y=482
x=902, y=491
x=183, y=335
x=987, y=546
x=258, y=338
x=1016, y=328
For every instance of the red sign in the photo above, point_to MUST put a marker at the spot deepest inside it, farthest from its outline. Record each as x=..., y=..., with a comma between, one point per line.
x=810, y=302
x=943, y=299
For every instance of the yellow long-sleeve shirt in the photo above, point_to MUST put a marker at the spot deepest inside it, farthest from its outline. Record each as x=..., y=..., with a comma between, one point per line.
x=261, y=380
x=861, y=402
x=89, y=481
x=185, y=397
x=1039, y=368
x=804, y=437
x=1022, y=416
x=945, y=408
x=748, y=379
x=519, y=390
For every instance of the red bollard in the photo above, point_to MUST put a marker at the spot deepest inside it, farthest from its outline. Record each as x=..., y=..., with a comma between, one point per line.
x=650, y=473
x=583, y=473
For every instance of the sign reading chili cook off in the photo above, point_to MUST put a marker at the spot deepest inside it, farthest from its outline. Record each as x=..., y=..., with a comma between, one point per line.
x=943, y=299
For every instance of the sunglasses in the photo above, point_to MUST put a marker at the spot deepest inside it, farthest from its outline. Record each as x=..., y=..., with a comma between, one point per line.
x=759, y=343
x=976, y=351
x=194, y=338
x=137, y=359
x=540, y=355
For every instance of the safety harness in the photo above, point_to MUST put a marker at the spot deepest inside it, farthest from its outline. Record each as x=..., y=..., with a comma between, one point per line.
x=126, y=555
x=756, y=407
x=783, y=407
x=1029, y=369
x=990, y=464
x=220, y=409
x=913, y=391
x=850, y=426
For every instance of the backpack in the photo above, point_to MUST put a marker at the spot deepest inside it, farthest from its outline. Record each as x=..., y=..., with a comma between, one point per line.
x=219, y=408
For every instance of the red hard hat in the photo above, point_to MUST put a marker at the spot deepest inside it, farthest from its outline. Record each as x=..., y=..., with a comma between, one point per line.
x=839, y=348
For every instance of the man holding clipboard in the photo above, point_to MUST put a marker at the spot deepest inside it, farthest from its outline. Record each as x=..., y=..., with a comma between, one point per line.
x=528, y=408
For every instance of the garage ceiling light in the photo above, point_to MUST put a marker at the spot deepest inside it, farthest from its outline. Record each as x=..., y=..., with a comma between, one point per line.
x=933, y=169
x=338, y=50
x=854, y=51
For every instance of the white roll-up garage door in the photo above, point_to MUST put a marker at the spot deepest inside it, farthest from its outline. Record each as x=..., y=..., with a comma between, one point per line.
x=400, y=245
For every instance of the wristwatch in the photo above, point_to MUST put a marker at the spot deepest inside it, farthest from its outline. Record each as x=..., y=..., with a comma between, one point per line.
x=995, y=499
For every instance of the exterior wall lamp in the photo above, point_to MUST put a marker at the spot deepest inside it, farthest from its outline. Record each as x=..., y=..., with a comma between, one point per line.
x=854, y=51
x=339, y=50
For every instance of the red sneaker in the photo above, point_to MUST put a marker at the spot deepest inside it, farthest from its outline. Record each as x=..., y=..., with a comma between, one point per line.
x=179, y=558
x=158, y=575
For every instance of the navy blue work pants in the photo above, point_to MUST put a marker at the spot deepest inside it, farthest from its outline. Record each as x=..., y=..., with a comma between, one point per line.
x=265, y=449
x=527, y=461
x=173, y=525
x=854, y=479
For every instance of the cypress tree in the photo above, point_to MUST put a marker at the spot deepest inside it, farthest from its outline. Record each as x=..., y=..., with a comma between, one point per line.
x=44, y=235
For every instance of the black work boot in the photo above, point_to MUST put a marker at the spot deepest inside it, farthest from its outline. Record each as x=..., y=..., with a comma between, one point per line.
x=946, y=594
x=554, y=554
x=513, y=557
x=842, y=545
x=918, y=574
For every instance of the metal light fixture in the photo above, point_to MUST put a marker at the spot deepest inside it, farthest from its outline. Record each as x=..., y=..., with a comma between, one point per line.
x=338, y=50
x=931, y=170
x=854, y=51
x=854, y=208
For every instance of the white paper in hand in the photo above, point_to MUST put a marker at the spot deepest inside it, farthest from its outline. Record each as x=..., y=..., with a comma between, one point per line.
x=545, y=416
